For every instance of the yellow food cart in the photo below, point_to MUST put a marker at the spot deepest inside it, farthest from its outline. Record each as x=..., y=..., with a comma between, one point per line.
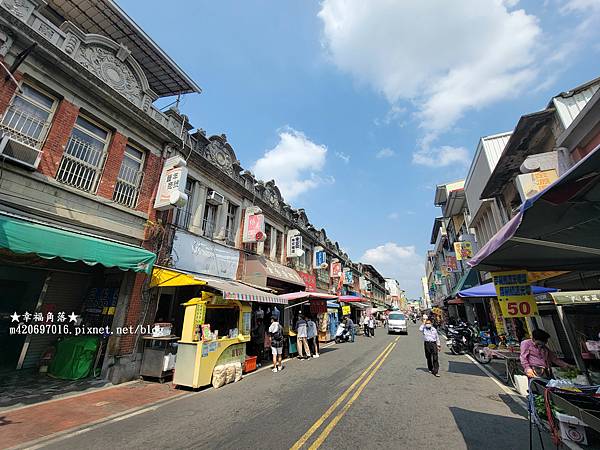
x=204, y=346
x=216, y=324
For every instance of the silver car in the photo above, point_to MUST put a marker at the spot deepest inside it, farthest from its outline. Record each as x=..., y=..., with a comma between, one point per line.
x=397, y=323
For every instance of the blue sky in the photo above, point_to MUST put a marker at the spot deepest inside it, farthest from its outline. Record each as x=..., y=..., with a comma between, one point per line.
x=374, y=102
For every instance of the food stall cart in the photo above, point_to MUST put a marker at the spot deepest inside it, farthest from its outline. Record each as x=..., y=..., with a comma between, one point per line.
x=214, y=336
x=216, y=325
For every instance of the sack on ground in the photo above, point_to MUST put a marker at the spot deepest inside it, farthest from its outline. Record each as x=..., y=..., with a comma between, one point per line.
x=229, y=373
x=219, y=376
x=238, y=371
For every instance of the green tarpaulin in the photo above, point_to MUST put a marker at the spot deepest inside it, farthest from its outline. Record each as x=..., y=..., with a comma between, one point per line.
x=74, y=358
x=21, y=236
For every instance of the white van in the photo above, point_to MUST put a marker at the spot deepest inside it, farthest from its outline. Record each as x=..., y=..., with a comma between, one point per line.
x=397, y=323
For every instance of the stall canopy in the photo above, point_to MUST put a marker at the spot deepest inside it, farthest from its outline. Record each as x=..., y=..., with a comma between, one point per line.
x=350, y=298
x=488, y=290
x=468, y=280
x=20, y=235
x=231, y=290
x=557, y=229
x=307, y=296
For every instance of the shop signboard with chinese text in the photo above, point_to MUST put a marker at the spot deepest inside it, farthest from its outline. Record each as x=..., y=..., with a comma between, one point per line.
x=336, y=269
x=318, y=306
x=348, y=279
x=254, y=225
x=514, y=294
x=171, y=187
x=576, y=297
x=451, y=263
x=463, y=250
x=310, y=281
x=345, y=310
x=294, y=244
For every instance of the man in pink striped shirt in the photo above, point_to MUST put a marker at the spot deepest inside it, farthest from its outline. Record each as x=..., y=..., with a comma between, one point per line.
x=536, y=358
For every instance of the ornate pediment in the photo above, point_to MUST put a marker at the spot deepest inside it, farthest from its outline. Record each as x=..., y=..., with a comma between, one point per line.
x=109, y=61
x=273, y=195
x=220, y=153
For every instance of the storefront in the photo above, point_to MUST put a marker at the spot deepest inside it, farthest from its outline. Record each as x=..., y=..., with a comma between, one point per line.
x=260, y=271
x=310, y=304
x=218, y=318
x=56, y=282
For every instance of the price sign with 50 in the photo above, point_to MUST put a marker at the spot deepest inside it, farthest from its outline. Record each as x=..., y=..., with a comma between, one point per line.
x=514, y=307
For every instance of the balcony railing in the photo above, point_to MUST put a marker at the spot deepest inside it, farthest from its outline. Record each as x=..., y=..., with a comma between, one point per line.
x=24, y=127
x=81, y=165
x=128, y=185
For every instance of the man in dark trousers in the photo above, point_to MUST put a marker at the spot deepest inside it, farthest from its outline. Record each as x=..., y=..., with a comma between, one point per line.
x=432, y=346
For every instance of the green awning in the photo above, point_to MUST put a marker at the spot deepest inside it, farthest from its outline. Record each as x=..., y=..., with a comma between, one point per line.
x=467, y=281
x=22, y=236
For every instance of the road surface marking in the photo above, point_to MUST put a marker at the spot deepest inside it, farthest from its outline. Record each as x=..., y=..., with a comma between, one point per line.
x=337, y=403
x=331, y=425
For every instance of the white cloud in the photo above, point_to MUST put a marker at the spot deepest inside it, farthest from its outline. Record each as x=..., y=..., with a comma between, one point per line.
x=343, y=157
x=294, y=163
x=394, y=215
x=401, y=263
x=393, y=115
x=447, y=57
x=443, y=156
x=385, y=153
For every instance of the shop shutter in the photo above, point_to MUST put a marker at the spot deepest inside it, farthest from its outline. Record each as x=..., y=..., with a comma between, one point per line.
x=67, y=292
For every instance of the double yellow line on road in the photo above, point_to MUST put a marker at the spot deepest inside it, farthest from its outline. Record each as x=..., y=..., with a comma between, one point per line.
x=369, y=373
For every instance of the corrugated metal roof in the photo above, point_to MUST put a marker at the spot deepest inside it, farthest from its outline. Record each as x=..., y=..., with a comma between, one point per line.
x=106, y=18
x=494, y=146
x=569, y=107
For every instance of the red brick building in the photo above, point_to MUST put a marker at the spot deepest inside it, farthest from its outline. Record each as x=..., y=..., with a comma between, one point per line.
x=81, y=152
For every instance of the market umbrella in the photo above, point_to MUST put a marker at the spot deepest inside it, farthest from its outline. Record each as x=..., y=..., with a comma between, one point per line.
x=557, y=229
x=488, y=290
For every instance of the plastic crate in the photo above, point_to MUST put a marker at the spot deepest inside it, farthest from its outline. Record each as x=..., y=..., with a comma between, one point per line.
x=250, y=364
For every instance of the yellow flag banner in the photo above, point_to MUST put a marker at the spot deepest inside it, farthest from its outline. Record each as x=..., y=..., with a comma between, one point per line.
x=514, y=293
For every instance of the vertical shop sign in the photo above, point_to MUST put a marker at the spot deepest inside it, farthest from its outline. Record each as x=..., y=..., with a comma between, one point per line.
x=336, y=269
x=348, y=279
x=514, y=293
x=171, y=187
x=254, y=225
x=310, y=281
x=451, y=263
x=463, y=250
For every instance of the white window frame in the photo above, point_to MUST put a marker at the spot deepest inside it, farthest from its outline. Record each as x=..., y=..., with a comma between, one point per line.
x=183, y=216
x=127, y=185
x=18, y=134
x=231, y=232
x=71, y=161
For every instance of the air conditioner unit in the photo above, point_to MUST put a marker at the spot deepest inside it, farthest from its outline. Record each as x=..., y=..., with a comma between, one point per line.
x=214, y=198
x=20, y=153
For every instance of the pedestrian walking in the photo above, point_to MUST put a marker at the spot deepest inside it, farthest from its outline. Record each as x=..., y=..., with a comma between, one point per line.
x=276, y=334
x=301, y=338
x=371, y=323
x=364, y=325
x=311, y=335
x=258, y=338
x=350, y=328
x=432, y=346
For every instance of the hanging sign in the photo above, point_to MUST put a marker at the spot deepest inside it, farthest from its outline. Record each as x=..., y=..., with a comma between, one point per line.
x=336, y=269
x=514, y=294
x=451, y=263
x=348, y=276
x=254, y=226
x=294, y=244
x=345, y=310
x=171, y=187
x=463, y=250
x=320, y=258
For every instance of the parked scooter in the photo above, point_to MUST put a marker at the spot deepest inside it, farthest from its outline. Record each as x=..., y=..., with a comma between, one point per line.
x=342, y=334
x=465, y=338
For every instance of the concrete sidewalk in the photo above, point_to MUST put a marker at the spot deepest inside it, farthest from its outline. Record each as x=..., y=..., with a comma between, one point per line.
x=30, y=423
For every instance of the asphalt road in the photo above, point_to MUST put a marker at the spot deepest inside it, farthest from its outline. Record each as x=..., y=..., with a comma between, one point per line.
x=395, y=404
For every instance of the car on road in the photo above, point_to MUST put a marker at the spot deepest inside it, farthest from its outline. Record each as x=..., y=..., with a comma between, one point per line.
x=397, y=323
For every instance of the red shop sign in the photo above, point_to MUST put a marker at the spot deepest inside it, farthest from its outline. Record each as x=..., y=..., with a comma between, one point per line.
x=310, y=281
x=318, y=306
